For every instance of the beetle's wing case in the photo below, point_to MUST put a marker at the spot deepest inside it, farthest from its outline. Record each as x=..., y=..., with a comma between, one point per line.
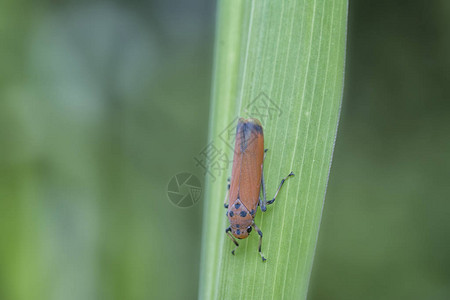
x=236, y=170
x=247, y=163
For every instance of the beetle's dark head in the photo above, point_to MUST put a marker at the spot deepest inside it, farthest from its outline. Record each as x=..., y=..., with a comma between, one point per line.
x=241, y=233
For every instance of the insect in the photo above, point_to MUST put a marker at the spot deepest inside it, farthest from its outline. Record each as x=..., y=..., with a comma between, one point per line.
x=247, y=182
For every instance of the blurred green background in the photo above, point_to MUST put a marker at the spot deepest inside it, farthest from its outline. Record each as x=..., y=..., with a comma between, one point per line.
x=102, y=103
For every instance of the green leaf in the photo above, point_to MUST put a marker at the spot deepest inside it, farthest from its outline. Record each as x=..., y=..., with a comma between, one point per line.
x=281, y=62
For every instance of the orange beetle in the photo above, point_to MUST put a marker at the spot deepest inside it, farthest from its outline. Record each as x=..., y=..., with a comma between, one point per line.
x=247, y=181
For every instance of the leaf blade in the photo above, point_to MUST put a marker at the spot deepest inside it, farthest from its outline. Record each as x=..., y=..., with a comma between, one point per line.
x=308, y=90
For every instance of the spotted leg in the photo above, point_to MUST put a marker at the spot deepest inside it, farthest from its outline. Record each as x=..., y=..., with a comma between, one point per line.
x=260, y=240
x=227, y=231
x=281, y=184
x=227, y=194
x=262, y=204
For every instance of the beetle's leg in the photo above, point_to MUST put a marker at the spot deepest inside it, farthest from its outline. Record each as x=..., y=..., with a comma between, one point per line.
x=281, y=184
x=227, y=231
x=227, y=194
x=260, y=240
x=262, y=202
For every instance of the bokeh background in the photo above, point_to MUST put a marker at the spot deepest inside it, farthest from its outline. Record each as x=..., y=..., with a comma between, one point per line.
x=103, y=102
